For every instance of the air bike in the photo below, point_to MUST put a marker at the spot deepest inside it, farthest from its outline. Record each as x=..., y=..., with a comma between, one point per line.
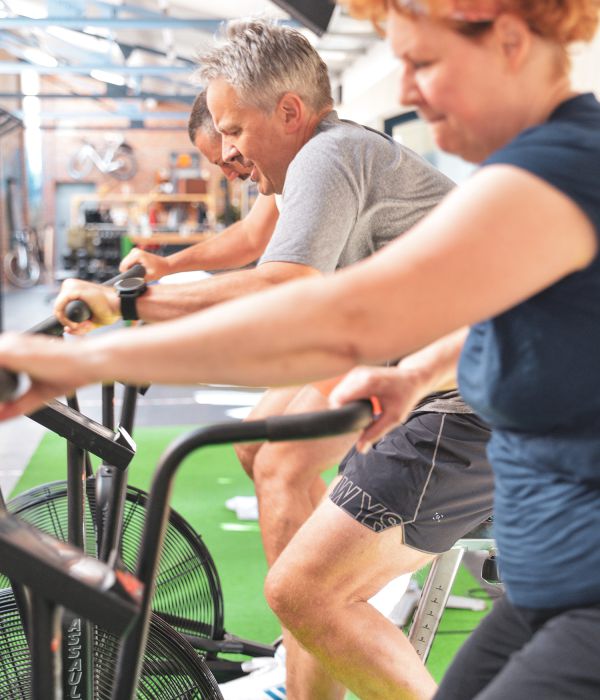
x=188, y=593
x=113, y=645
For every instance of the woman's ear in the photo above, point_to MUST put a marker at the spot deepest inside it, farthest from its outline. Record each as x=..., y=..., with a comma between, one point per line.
x=514, y=38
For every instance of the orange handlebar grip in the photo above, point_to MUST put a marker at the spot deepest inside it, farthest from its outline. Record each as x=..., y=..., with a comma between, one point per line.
x=377, y=410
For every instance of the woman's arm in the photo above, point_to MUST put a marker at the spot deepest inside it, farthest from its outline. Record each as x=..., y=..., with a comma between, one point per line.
x=494, y=242
x=398, y=389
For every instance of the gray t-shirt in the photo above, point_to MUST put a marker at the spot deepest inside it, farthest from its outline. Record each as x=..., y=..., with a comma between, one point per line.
x=348, y=192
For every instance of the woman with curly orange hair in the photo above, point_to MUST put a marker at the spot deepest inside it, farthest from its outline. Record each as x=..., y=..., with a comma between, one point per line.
x=512, y=253
x=530, y=370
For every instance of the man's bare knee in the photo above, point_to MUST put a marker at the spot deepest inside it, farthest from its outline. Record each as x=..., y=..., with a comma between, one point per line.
x=288, y=465
x=272, y=403
x=272, y=463
x=292, y=596
x=246, y=453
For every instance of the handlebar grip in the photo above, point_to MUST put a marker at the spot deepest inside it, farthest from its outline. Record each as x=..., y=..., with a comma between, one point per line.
x=136, y=270
x=81, y=312
x=9, y=381
x=78, y=311
x=346, y=419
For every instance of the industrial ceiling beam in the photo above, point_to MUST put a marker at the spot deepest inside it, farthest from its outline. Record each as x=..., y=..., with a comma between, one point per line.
x=13, y=68
x=208, y=25
x=158, y=23
x=103, y=116
x=159, y=97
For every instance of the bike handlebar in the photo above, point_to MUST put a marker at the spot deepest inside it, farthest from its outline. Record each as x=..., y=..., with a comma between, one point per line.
x=9, y=383
x=76, y=311
x=303, y=426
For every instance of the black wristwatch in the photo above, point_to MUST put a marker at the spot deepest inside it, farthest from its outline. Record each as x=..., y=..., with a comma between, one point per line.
x=129, y=290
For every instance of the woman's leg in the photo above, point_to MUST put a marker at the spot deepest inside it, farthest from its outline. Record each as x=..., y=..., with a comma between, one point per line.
x=558, y=662
x=485, y=653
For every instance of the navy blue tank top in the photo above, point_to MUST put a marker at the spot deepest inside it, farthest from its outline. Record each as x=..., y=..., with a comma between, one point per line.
x=533, y=373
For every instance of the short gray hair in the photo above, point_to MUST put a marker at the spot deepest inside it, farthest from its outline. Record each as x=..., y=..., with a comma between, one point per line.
x=263, y=61
x=201, y=119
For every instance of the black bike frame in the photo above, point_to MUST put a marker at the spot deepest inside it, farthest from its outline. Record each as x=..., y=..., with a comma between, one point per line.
x=83, y=436
x=349, y=418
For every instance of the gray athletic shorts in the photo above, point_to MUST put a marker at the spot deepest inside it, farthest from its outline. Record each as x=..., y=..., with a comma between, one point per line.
x=429, y=476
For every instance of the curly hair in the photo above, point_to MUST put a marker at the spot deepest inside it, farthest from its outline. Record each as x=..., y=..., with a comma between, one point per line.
x=562, y=21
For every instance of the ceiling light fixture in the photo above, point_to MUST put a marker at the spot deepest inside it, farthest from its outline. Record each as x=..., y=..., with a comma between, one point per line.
x=39, y=57
x=106, y=77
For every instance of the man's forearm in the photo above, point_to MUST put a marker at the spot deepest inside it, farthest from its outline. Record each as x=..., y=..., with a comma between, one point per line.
x=237, y=246
x=227, y=250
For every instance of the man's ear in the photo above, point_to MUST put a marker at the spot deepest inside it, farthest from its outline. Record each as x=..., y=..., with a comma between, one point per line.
x=514, y=38
x=291, y=111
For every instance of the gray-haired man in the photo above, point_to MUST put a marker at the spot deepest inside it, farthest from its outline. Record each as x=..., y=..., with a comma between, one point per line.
x=241, y=243
x=347, y=191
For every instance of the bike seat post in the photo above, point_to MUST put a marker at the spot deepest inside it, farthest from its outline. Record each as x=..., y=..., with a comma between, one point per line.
x=433, y=601
x=436, y=592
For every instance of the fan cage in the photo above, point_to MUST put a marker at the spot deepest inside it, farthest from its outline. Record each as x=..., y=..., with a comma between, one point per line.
x=172, y=670
x=188, y=591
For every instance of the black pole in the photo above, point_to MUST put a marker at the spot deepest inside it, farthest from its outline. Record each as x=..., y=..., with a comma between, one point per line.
x=294, y=427
x=20, y=593
x=111, y=488
x=131, y=651
x=44, y=642
x=77, y=672
x=108, y=405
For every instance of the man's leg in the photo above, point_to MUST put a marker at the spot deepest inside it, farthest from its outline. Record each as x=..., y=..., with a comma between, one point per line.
x=319, y=588
x=418, y=490
x=287, y=476
x=272, y=403
x=289, y=487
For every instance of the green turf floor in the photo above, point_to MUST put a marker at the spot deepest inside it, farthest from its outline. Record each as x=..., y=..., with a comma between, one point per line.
x=206, y=480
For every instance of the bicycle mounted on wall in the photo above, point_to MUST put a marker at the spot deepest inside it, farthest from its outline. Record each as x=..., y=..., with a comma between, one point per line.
x=116, y=159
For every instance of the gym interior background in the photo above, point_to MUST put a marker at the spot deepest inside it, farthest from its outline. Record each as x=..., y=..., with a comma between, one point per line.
x=95, y=158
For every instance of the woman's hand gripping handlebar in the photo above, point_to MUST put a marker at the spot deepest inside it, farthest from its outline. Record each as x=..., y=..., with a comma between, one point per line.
x=11, y=384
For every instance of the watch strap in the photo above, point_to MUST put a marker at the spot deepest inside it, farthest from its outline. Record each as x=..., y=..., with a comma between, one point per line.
x=129, y=306
x=129, y=290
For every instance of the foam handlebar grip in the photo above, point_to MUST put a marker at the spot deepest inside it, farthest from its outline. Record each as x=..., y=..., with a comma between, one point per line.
x=52, y=326
x=136, y=270
x=9, y=383
x=78, y=311
x=349, y=418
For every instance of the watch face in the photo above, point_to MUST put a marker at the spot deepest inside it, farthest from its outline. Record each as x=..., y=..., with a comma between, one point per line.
x=130, y=284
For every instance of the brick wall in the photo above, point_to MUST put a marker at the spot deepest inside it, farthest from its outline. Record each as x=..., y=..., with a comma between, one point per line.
x=152, y=149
